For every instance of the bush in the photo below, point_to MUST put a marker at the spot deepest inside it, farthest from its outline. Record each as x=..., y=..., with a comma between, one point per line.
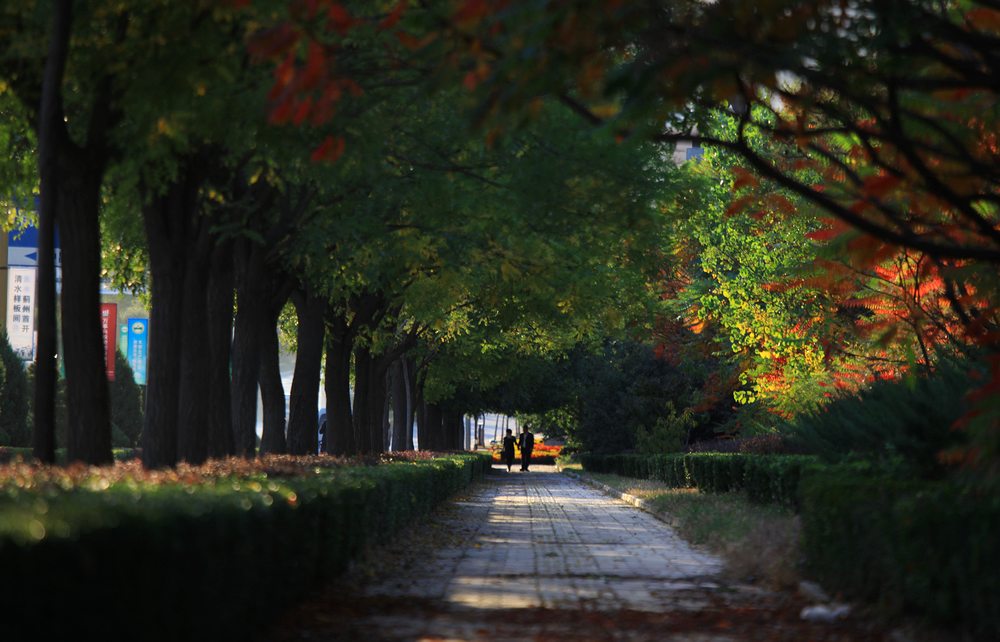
x=669, y=433
x=205, y=559
x=126, y=405
x=908, y=419
x=928, y=548
x=14, y=397
x=764, y=478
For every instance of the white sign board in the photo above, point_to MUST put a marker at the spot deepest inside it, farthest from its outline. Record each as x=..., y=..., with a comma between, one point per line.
x=21, y=311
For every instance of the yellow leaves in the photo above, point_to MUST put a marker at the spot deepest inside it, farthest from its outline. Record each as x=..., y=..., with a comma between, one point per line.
x=606, y=110
x=509, y=271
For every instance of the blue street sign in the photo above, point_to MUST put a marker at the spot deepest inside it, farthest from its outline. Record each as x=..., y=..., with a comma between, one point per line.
x=138, y=347
x=22, y=248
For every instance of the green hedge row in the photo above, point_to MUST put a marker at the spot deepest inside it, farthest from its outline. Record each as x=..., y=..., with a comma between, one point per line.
x=931, y=549
x=928, y=548
x=206, y=561
x=764, y=478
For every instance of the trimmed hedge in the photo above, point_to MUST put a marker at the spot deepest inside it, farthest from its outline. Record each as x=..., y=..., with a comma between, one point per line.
x=928, y=548
x=198, y=561
x=764, y=478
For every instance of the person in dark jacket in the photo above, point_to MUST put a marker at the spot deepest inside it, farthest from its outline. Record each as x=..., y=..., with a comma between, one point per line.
x=508, y=449
x=526, y=444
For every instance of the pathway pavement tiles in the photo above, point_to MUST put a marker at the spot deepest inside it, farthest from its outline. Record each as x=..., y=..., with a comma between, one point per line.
x=543, y=556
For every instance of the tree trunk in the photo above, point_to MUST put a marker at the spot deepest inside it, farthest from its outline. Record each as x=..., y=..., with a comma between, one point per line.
x=193, y=402
x=434, y=429
x=339, y=422
x=251, y=299
x=398, y=388
x=362, y=400
x=420, y=414
x=386, y=437
x=219, y=309
x=51, y=128
x=166, y=218
x=272, y=393
x=302, y=427
x=409, y=377
x=454, y=428
x=376, y=406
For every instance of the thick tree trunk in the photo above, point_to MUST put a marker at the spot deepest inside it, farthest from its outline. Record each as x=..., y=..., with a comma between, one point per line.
x=302, y=425
x=386, y=437
x=409, y=378
x=272, y=393
x=251, y=299
x=193, y=400
x=166, y=219
x=339, y=422
x=420, y=415
x=434, y=428
x=398, y=393
x=219, y=308
x=50, y=131
x=362, y=399
x=376, y=406
x=83, y=344
x=454, y=430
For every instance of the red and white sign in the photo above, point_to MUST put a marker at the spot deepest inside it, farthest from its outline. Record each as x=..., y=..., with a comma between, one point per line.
x=109, y=330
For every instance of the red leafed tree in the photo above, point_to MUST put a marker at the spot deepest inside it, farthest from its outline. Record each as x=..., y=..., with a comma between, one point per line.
x=890, y=108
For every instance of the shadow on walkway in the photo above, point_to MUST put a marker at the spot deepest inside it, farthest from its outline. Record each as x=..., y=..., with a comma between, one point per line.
x=541, y=556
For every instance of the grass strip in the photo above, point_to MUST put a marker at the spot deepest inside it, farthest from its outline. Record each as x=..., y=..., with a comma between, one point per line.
x=758, y=542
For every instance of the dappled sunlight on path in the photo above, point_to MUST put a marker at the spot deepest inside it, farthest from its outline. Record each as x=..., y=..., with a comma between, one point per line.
x=541, y=556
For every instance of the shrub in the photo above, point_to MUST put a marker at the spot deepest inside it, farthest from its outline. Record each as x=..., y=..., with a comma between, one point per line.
x=764, y=478
x=908, y=419
x=14, y=397
x=199, y=553
x=669, y=433
x=928, y=548
x=126, y=405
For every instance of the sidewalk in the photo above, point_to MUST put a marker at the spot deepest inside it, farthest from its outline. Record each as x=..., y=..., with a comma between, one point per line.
x=540, y=555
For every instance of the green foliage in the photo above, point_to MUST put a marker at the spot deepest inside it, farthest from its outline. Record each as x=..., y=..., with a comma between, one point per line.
x=926, y=548
x=126, y=405
x=764, y=478
x=14, y=398
x=621, y=389
x=97, y=551
x=554, y=424
x=668, y=434
x=909, y=419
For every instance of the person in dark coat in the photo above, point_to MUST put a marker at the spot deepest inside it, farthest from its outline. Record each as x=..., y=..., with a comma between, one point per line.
x=508, y=449
x=526, y=444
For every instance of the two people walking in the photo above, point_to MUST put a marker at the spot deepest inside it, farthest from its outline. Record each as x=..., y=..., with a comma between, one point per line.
x=525, y=443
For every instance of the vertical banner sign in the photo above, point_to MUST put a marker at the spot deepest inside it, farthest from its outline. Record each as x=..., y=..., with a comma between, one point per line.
x=20, y=311
x=123, y=338
x=138, y=345
x=22, y=261
x=109, y=330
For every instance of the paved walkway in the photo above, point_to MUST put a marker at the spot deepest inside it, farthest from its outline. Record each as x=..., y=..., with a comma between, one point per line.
x=542, y=556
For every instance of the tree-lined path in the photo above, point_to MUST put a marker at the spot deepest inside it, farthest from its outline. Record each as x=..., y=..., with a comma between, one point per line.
x=544, y=556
